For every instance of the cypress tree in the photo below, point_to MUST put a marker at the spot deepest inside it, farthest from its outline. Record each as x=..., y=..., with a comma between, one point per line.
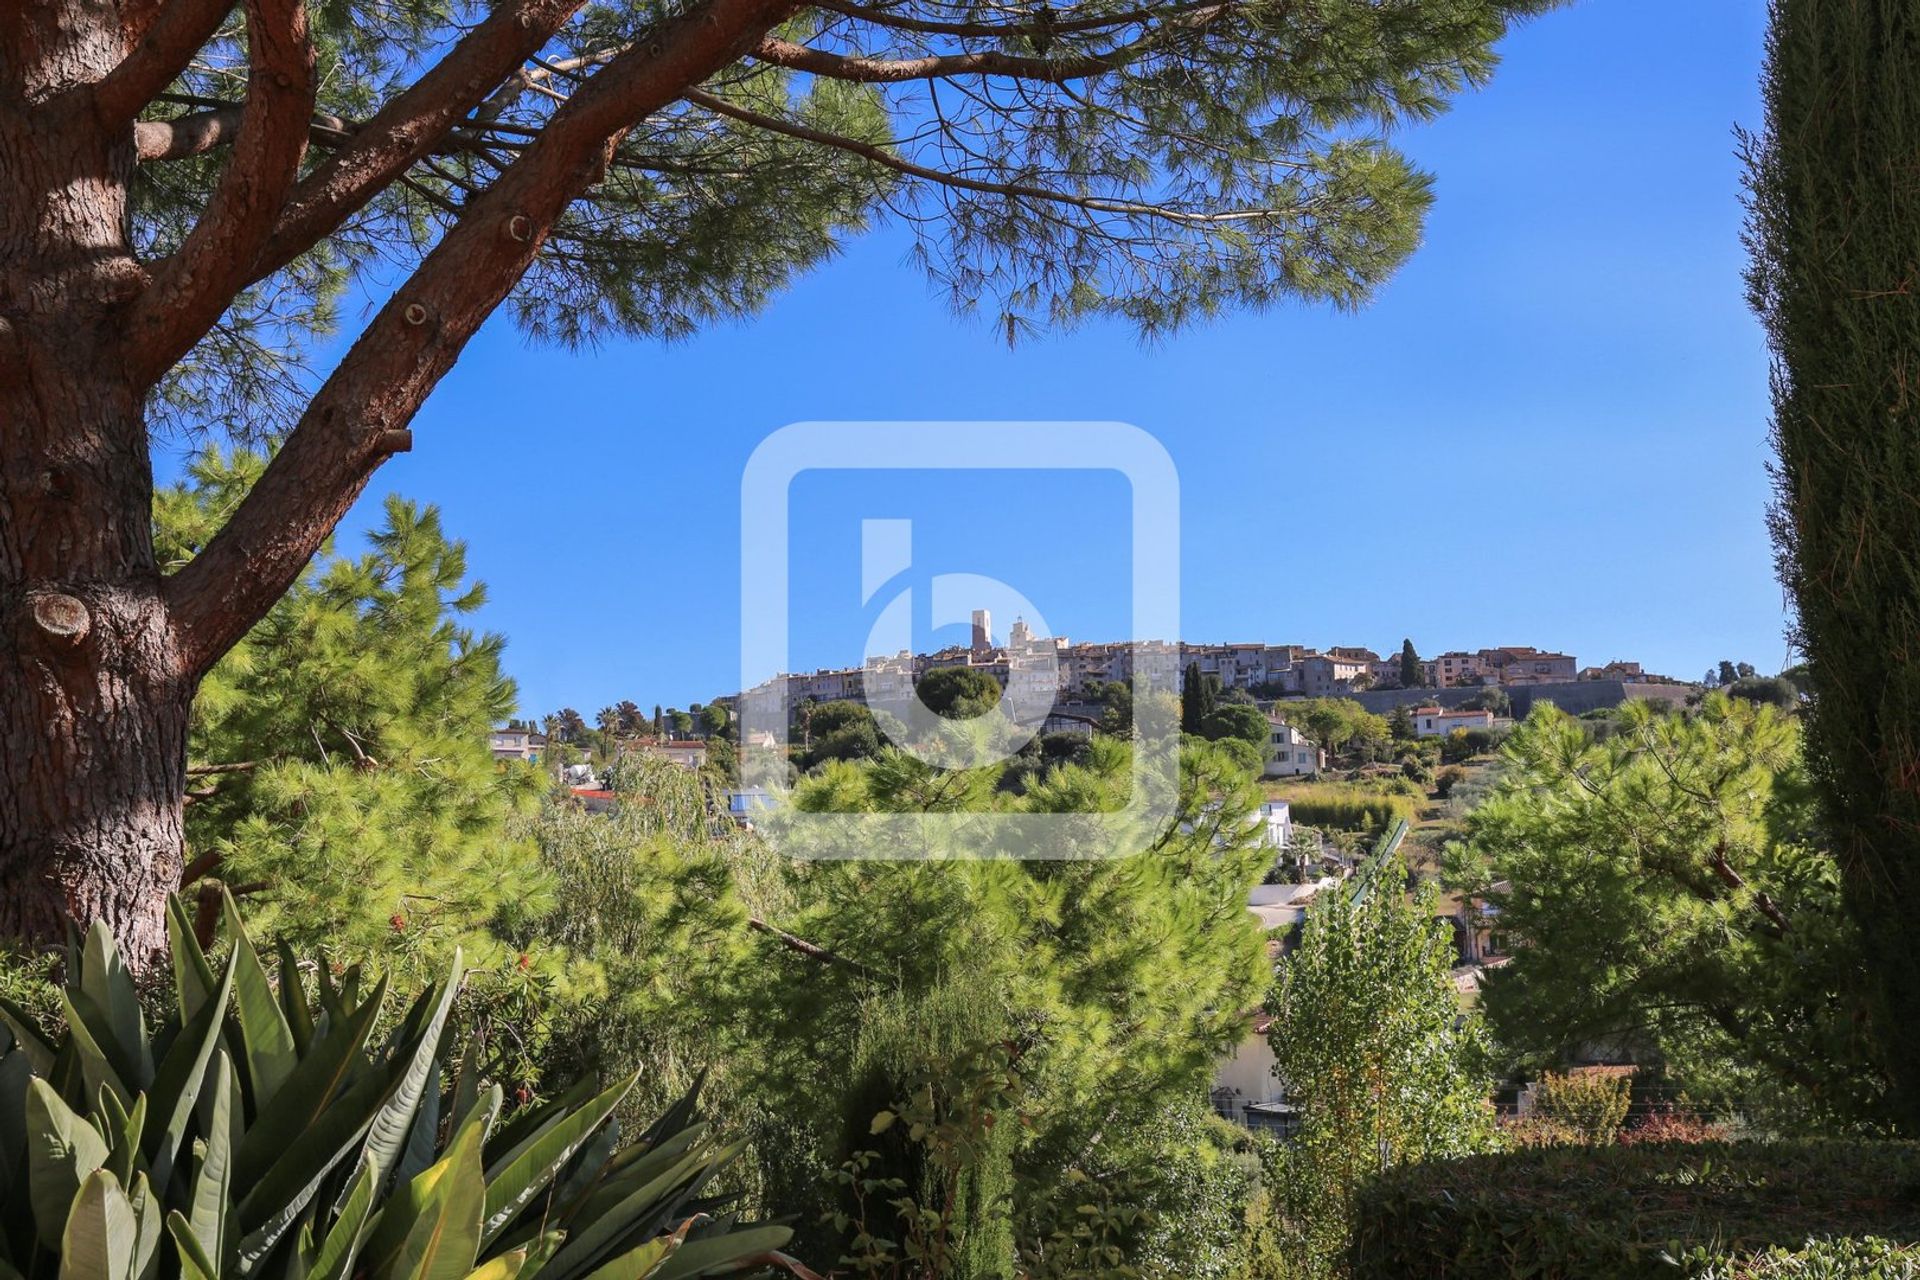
x=1199, y=695
x=1835, y=236
x=1412, y=674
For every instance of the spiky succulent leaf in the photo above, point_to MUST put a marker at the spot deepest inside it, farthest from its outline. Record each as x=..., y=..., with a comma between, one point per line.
x=266, y=1040
x=177, y=1083
x=100, y=1231
x=530, y=1169
x=63, y=1150
x=342, y=1243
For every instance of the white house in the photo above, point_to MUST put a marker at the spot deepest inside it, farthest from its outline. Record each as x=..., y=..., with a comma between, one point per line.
x=1438, y=722
x=1290, y=753
x=1278, y=817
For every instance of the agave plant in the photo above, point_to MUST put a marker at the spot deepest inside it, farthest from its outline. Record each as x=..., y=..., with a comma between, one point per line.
x=261, y=1133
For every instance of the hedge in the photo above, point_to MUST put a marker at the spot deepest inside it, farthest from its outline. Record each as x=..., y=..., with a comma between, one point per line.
x=1714, y=1211
x=1346, y=808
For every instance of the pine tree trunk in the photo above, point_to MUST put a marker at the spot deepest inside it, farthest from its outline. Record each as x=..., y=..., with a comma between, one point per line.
x=1836, y=278
x=93, y=695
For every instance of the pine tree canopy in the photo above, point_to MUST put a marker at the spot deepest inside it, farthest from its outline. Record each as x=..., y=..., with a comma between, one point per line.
x=1151, y=162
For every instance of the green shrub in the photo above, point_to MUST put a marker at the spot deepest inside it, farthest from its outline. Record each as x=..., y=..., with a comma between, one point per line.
x=266, y=1132
x=1732, y=1211
x=1592, y=1105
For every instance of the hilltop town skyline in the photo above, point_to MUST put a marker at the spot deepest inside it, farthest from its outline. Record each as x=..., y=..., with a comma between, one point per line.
x=1268, y=670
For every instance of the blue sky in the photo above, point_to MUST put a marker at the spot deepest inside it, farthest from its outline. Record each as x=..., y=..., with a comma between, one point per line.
x=1549, y=429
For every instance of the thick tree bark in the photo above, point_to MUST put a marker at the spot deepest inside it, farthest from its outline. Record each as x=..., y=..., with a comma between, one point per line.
x=93, y=704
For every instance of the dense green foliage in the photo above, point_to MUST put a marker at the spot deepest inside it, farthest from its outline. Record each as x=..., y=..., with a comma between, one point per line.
x=959, y=693
x=1718, y=1210
x=835, y=731
x=1340, y=725
x=1776, y=691
x=1369, y=1038
x=1238, y=721
x=261, y=1130
x=349, y=790
x=1573, y=1109
x=678, y=942
x=1663, y=891
x=642, y=951
x=1835, y=211
x=1120, y=981
x=931, y=1130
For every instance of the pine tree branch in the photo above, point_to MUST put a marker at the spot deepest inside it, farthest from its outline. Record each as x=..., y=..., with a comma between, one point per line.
x=216, y=126
x=411, y=125
x=190, y=289
x=414, y=340
x=200, y=867
x=863, y=70
x=1020, y=190
x=1054, y=24
x=162, y=53
x=188, y=135
x=534, y=77
x=811, y=950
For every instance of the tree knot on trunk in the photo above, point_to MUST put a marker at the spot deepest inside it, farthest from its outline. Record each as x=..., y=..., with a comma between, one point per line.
x=61, y=618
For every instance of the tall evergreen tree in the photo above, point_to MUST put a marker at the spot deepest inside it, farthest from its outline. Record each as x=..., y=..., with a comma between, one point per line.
x=342, y=781
x=1412, y=674
x=1835, y=218
x=1199, y=696
x=186, y=193
x=1683, y=850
